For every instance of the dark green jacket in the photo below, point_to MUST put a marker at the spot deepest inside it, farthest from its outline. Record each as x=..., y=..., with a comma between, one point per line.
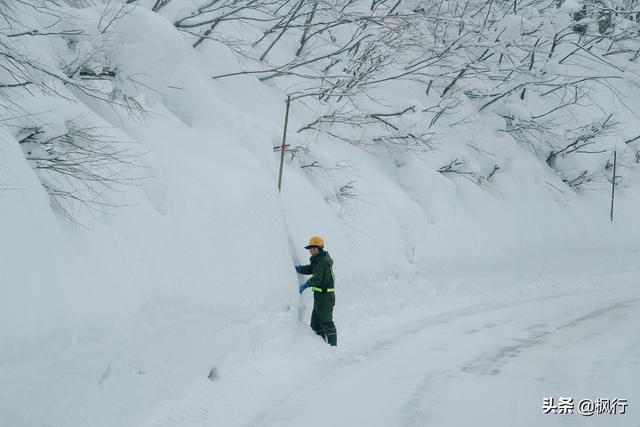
x=321, y=268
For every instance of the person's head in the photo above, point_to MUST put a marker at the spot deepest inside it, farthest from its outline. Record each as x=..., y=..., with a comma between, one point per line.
x=315, y=250
x=315, y=246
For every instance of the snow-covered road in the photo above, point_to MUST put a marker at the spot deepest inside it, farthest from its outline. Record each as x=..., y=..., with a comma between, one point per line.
x=480, y=352
x=484, y=364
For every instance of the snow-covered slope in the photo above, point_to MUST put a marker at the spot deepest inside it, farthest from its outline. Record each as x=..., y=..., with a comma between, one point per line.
x=121, y=295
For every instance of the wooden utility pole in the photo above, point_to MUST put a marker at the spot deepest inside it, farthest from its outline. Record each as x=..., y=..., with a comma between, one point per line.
x=284, y=140
x=613, y=184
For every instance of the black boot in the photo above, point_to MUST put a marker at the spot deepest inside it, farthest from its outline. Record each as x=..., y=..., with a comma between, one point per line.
x=332, y=339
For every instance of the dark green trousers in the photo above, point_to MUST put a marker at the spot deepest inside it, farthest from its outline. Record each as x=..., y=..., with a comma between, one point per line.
x=322, y=314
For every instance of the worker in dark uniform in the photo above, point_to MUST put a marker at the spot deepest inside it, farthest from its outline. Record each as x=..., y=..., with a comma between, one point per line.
x=321, y=283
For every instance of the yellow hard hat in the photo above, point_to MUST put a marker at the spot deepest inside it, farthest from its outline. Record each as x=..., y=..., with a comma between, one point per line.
x=315, y=241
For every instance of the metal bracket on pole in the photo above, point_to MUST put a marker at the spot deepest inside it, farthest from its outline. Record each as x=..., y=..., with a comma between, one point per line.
x=283, y=147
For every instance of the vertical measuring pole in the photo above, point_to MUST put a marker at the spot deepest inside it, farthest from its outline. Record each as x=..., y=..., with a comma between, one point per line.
x=613, y=183
x=284, y=140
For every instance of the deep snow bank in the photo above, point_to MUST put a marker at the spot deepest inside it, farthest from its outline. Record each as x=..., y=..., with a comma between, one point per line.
x=203, y=232
x=204, y=229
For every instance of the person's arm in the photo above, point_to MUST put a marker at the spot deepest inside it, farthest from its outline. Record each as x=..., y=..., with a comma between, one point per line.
x=304, y=269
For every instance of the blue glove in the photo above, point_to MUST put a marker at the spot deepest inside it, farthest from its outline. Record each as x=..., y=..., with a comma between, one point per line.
x=304, y=286
x=299, y=269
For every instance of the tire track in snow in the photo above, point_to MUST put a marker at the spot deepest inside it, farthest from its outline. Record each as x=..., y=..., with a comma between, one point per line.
x=493, y=363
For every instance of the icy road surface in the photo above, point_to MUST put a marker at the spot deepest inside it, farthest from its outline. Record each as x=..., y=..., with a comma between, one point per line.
x=488, y=363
